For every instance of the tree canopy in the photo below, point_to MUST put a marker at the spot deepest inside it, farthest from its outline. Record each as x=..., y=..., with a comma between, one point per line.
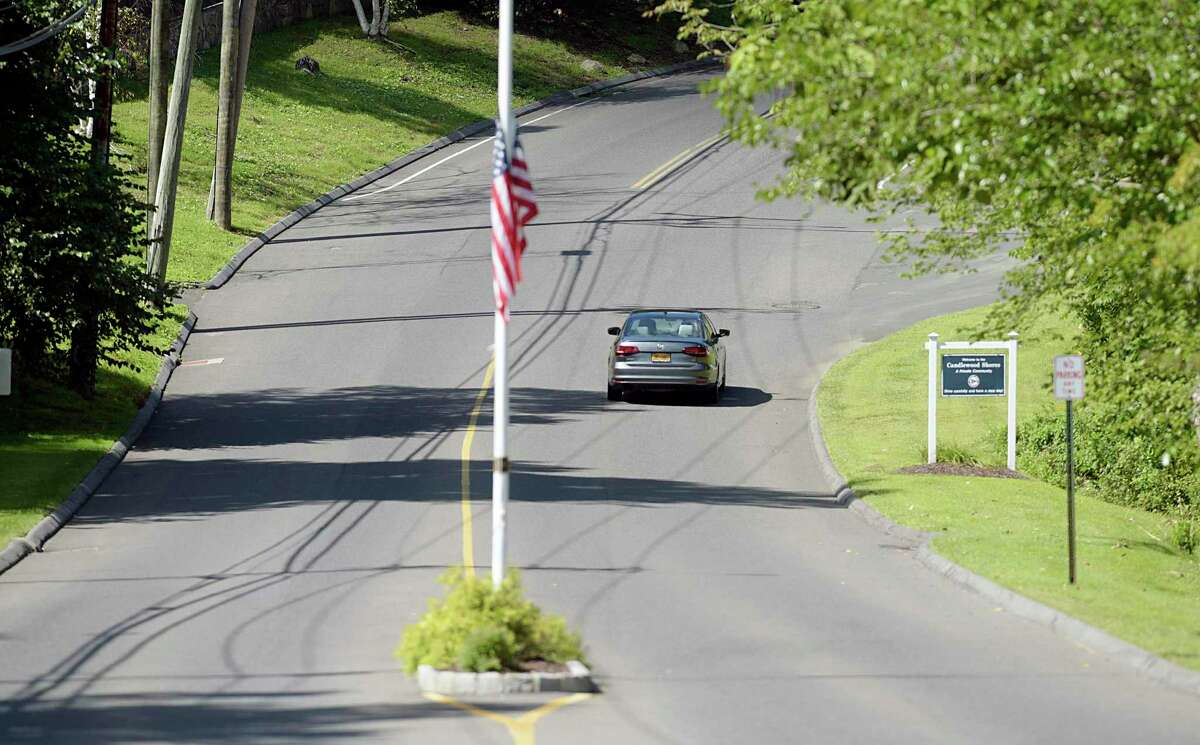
x=1070, y=126
x=72, y=288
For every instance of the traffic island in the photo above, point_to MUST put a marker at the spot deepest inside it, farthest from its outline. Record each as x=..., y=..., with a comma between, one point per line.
x=574, y=677
x=481, y=639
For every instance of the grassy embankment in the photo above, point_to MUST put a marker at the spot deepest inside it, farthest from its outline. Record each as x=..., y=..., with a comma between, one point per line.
x=1132, y=581
x=50, y=437
x=300, y=136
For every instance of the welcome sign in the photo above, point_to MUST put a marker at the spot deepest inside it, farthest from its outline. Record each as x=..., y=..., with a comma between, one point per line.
x=973, y=375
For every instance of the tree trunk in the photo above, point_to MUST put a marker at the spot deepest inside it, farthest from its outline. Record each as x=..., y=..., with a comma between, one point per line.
x=102, y=115
x=168, y=172
x=158, y=97
x=374, y=29
x=362, y=17
x=82, y=359
x=245, y=36
x=219, y=211
x=1196, y=411
x=383, y=23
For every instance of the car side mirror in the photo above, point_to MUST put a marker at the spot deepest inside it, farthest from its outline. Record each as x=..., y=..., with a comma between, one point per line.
x=722, y=332
x=614, y=330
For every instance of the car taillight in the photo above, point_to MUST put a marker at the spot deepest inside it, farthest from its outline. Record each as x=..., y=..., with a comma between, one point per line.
x=624, y=350
x=696, y=351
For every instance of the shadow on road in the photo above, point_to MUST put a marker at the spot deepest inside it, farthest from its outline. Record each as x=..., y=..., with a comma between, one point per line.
x=733, y=397
x=206, y=717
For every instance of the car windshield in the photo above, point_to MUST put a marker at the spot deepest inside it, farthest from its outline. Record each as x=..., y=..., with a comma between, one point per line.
x=664, y=324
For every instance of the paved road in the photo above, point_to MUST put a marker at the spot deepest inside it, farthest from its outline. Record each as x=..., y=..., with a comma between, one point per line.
x=244, y=575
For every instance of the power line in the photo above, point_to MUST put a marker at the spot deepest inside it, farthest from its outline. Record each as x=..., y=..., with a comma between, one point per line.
x=54, y=29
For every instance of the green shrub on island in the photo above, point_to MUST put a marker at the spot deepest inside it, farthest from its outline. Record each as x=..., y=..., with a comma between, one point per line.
x=477, y=628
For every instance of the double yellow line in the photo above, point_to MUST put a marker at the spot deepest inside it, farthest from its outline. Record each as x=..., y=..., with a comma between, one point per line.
x=468, y=531
x=652, y=178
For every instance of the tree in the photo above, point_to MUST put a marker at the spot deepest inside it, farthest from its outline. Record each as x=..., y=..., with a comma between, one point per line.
x=71, y=289
x=1070, y=125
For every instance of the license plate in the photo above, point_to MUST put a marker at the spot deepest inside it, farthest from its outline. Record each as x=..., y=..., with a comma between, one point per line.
x=660, y=357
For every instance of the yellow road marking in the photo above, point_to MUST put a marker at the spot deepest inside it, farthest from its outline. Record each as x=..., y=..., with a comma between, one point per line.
x=658, y=173
x=519, y=728
x=468, y=534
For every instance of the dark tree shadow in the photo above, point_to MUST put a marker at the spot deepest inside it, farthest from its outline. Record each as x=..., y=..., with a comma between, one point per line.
x=234, y=718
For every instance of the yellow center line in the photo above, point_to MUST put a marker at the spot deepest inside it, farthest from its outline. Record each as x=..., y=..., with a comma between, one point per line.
x=658, y=173
x=519, y=728
x=468, y=534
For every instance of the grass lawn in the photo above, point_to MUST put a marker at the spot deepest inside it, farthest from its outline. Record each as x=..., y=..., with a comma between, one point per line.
x=50, y=437
x=1132, y=581
x=301, y=135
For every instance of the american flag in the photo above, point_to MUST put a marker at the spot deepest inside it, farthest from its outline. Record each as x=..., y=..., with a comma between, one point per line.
x=513, y=205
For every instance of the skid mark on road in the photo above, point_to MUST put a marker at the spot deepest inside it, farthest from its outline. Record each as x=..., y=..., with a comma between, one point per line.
x=468, y=531
x=519, y=728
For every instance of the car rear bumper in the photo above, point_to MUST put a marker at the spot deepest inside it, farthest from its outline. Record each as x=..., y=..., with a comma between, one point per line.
x=645, y=376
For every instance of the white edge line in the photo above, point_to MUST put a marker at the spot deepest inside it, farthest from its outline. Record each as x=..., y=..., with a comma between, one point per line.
x=430, y=167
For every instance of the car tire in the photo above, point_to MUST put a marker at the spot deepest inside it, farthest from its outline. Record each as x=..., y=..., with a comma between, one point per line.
x=614, y=393
x=724, y=377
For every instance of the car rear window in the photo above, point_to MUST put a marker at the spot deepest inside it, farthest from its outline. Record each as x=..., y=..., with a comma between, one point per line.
x=664, y=324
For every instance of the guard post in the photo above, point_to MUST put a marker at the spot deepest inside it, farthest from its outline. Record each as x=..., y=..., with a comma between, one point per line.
x=973, y=375
x=1068, y=386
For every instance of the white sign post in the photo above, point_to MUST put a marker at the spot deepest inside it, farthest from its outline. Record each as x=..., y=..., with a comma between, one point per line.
x=5, y=372
x=934, y=347
x=1068, y=386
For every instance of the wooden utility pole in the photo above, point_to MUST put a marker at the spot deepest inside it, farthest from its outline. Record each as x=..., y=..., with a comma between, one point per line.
x=219, y=207
x=168, y=172
x=102, y=115
x=158, y=95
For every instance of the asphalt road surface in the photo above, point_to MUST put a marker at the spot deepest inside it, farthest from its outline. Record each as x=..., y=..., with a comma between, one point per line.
x=244, y=575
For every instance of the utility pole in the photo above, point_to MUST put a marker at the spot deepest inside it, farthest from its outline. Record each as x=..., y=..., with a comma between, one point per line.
x=168, y=173
x=102, y=116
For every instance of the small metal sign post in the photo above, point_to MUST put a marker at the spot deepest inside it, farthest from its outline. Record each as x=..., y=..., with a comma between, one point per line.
x=973, y=375
x=1068, y=386
x=5, y=372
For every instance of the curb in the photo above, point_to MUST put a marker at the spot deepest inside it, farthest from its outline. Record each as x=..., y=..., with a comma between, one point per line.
x=578, y=679
x=1062, y=624
x=296, y=215
x=36, y=538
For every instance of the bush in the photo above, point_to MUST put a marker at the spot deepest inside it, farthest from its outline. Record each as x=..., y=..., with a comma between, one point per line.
x=480, y=629
x=1131, y=470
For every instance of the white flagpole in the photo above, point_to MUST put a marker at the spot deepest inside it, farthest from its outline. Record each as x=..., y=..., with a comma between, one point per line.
x=500, y=463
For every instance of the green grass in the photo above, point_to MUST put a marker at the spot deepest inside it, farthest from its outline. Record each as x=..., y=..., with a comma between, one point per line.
x=50, y=437
x=1132, y=581
x=301, y=135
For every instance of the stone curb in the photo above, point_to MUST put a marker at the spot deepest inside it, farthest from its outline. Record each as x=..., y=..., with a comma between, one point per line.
x=293, y=217
x=36, y=538
x=578, y=679
x=1062, y=624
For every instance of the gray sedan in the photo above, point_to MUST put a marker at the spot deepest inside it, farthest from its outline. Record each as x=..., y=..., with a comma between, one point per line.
x=667, y=350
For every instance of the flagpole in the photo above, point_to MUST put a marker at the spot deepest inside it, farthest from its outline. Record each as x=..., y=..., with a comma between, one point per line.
x=500, y=462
